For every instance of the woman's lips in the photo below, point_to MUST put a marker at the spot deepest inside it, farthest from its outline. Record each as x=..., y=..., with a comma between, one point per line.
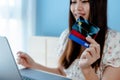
x=78, y=15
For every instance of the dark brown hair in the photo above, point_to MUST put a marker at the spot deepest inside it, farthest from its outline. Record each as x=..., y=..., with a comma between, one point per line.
x=98, y=16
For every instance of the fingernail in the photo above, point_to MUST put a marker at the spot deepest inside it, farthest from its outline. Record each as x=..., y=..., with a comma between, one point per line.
x=89, y=36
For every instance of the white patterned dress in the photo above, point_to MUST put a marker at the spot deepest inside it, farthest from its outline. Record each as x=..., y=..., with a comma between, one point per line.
x=111, y=54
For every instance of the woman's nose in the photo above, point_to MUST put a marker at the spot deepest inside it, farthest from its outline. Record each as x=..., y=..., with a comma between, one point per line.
x=79, y=6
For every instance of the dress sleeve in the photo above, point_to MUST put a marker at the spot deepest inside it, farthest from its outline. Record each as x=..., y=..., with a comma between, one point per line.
x=62, y=42
x=112, y=50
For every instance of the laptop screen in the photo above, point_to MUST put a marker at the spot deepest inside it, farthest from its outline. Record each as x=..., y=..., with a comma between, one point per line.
x=8, y=67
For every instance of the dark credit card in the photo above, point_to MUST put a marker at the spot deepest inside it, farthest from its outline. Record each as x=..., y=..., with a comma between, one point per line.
x=82, y=29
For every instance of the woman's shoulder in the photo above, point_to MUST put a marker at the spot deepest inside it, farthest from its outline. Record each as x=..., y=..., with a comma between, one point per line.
x=112, y=48
x=112, y=37
x=64, y=36
x=113, y=33
x=63, y=41
x=64, y=33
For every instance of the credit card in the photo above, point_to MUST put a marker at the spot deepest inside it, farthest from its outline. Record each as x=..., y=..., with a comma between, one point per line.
x=79, y=40
x=81, y=29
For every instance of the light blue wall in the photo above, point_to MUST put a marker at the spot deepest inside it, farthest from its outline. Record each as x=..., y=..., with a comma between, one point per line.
x=114, y=14
x=52, y=16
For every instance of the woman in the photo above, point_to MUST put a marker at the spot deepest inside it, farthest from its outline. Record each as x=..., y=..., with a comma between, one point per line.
x=99, y=61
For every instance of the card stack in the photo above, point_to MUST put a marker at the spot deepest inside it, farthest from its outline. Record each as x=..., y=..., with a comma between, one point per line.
x=82, y=29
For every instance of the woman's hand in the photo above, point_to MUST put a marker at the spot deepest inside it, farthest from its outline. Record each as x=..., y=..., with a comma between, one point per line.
x=90, y=55
x=25, y=60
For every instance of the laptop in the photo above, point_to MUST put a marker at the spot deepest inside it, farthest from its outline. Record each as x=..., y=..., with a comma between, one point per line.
x=9, y=69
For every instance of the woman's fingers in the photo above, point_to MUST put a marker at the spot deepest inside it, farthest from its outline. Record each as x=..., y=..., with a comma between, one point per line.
x=22, y=57
x=90, y=54
x=95, y=49
x=94, y=46
x=90, y=40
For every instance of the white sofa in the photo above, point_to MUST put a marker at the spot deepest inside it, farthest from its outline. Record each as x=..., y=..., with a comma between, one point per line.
x=43, y=49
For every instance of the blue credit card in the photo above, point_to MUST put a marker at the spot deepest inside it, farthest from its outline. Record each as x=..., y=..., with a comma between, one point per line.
x=79, y=41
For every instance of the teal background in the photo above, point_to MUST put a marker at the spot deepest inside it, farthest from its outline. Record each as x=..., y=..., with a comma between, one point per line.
x=52, y=16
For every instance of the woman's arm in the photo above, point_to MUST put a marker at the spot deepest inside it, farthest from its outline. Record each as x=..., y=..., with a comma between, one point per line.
x=88, y=57
x=26, y=61
x=89, y=73
x=111, y=73
x=58, y=70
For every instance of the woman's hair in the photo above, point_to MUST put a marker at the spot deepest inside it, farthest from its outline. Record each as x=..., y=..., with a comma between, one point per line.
x=98, y=16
